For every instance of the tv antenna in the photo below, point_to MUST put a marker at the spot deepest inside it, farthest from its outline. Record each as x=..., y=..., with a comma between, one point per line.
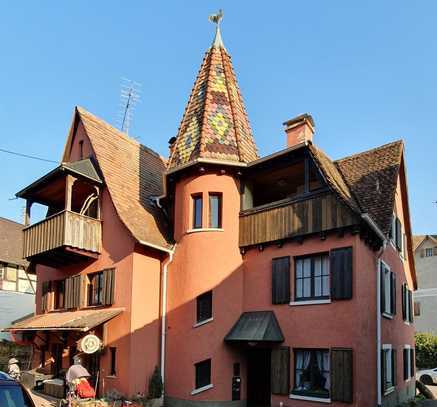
x=129, y=97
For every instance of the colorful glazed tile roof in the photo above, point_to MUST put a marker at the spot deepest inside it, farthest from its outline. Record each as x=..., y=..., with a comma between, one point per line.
x=215, y=123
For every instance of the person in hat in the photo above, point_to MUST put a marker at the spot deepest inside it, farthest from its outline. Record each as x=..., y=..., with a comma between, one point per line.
x=14, y=369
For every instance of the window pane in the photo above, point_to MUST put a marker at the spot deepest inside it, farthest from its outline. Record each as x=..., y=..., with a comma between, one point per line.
x=307, y=267
x=317, y=266
x=307, y=287
x=215, y=211
x=204, y=306
x=299, y=288
x=318, y=286
x=299, y=265
x=197, y=212
x=203, y=373
x=326, y=287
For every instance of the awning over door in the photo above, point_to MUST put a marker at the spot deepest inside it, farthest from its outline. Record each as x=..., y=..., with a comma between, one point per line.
x=82, y=321
x=256, y=326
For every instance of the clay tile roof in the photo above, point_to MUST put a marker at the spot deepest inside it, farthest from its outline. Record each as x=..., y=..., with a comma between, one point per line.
x=372, y=178
x=82, y=320
x=418, y=239
x=215, y=123
x=334, y=177
x=133, y=174
x=11, y=242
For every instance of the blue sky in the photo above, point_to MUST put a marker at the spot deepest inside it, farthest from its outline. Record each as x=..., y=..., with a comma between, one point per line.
x=366, y=71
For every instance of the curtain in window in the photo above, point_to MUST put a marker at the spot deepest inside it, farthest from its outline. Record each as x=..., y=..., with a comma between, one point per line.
x=302, y=363
x=323, y=364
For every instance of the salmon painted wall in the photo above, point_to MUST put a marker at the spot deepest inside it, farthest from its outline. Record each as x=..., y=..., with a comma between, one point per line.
x=396, y=331
x=204, y=260
x=145, y=319
x=349, y=323
x=135, y=271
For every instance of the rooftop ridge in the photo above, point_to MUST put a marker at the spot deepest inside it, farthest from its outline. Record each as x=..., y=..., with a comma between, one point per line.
x=102, y=122
x=3, y=219
x=381, y=147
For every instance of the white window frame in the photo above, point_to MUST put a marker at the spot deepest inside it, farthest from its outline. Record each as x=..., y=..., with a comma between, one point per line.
x=388, y=347
x=387, y=286
x=427, y=250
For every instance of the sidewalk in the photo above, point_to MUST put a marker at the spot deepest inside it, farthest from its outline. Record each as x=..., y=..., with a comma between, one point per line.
x=41, y=400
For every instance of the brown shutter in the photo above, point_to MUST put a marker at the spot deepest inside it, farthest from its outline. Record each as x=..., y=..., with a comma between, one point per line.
x=394, y=366
x=410, y=301
x=281, y=280
x=83, y=291
x=45, y=295
x=108, y=286
x=280, y=370
x=76, y=291
x=341, y=273
x=404, y=303
x=383, y=370
x=412, y=362
x=398, y=234
x=422, y=252
x=434, y=252
x=341, y=375
x=382, y=279
x=393, y=293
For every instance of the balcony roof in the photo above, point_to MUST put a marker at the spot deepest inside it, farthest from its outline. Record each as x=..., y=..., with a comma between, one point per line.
x=82, y=169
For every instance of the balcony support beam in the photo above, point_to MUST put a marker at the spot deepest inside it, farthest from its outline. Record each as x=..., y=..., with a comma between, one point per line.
x=27, y=212
x=69, y=181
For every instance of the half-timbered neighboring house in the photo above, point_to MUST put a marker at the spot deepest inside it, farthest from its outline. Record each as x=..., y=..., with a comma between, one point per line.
x=246, y=279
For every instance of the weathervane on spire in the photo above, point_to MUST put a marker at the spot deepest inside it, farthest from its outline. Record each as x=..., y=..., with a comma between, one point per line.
x=216, y=19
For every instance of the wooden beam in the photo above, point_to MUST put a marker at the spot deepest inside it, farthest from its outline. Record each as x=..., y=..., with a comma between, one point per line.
x=69, y=181
x=27, y=212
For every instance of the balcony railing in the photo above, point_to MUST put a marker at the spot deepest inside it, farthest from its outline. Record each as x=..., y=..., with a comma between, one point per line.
x=64, y=229
x=286, y=219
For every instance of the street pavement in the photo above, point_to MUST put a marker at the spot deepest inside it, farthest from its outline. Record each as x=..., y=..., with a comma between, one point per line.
x=41, y=400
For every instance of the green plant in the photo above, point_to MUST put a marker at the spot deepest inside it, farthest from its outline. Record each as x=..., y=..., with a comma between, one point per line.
x=426, y=350
x=155, y=384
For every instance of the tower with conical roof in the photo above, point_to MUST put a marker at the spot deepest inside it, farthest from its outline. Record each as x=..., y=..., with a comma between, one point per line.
x=215, y=123
x=205, y=278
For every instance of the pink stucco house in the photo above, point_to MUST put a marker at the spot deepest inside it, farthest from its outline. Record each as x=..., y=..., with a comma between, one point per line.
x=248, y=280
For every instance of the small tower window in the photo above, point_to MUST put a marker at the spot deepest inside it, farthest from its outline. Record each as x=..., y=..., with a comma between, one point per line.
x=197, y=211
x=215, y=210
x=81, y=149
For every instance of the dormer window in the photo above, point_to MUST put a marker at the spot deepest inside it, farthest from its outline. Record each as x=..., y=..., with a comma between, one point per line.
x=197, y=211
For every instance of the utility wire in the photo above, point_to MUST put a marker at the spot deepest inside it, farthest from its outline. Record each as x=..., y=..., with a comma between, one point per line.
x=27, y=156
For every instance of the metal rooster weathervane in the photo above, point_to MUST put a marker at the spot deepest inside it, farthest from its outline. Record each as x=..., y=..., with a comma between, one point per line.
x=216, y=18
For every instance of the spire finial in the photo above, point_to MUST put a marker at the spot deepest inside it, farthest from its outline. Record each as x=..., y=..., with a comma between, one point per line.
x=216, y=19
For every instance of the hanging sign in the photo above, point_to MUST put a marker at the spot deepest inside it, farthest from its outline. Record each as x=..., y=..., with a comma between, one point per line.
x=90, y=344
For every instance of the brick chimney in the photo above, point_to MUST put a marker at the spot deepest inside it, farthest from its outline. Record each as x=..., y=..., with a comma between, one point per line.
x=299, y=129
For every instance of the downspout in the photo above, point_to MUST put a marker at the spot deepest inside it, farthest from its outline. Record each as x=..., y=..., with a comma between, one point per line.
x=164, y=313
x=378, y=231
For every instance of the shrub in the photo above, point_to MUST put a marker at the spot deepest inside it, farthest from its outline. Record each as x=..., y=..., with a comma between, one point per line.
x=426, y=350
x=155, y=384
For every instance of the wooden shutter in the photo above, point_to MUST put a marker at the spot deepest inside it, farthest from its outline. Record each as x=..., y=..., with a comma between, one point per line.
x=45, y=296
x=281, y=280
x=342, y=375
x=108, y=286
x=404, y=302
x=76, y=291
x=434, y=252
x=393, y=293
x=72, y=292
x=412, y=362
x=394, y=366
x=422, y=252
x=382, y=279
x=410, y=302
x=280, y=370
x=383, y=370
x=398, y=234
x=406, y=361
x=341, y=273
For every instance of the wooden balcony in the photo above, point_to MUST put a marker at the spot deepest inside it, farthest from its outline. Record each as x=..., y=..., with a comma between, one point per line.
x=63, y=238
x=288, y=219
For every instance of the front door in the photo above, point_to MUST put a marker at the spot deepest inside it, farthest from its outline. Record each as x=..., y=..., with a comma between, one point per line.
x=258, y=378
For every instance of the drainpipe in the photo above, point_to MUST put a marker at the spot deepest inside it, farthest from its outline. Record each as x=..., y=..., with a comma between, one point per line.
x=378, y=231
x=164, y=313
